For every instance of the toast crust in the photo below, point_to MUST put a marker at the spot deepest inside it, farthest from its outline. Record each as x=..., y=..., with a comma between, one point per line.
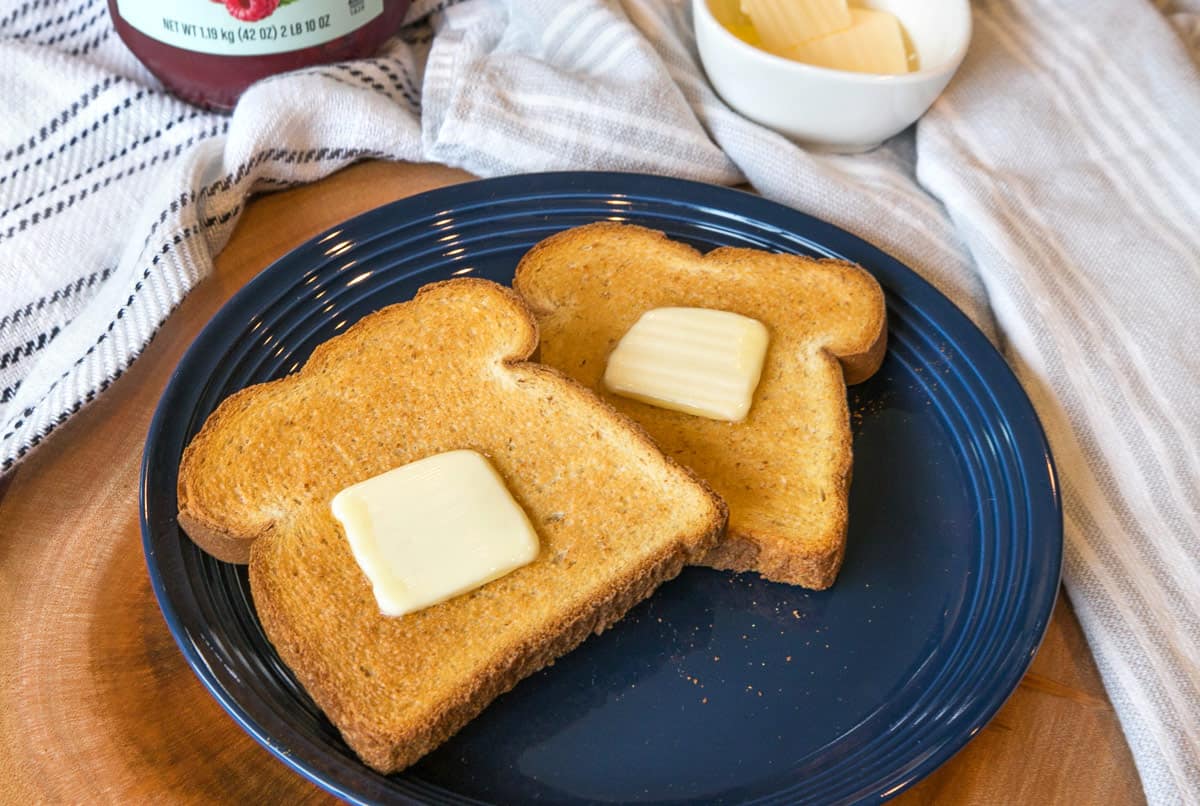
x=614, y=516
x=784, y=471
x=391, y=752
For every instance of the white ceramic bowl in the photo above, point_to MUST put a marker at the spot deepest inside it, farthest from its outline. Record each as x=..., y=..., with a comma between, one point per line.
x=828, y=109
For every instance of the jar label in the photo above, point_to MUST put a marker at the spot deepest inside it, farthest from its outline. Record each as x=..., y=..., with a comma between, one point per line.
x=247, y=27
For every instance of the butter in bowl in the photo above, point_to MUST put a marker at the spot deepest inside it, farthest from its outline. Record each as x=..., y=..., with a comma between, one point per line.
x=831, y=74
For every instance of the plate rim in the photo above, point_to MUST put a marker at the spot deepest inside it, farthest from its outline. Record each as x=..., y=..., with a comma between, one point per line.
x=715, y=198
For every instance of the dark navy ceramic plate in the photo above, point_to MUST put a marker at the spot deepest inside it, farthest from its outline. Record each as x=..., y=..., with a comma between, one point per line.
x=720, y=688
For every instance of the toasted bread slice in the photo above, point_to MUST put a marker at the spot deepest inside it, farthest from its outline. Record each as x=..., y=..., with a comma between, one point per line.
x=785, y=470
x=614, y=516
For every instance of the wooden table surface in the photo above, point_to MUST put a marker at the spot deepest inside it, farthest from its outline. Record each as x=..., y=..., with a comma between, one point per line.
x=99, y=706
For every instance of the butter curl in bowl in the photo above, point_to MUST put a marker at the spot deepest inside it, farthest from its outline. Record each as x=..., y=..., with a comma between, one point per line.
x=831, y=74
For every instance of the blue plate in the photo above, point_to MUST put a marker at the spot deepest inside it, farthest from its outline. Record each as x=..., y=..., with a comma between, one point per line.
x=720, y=687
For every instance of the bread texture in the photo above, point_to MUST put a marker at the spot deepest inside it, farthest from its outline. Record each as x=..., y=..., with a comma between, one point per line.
x=614, y=516
x=784, y=471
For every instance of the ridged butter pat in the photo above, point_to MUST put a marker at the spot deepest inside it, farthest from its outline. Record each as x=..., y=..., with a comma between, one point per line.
x=695, y=360
x=874, y=43
x=783, y=23
x=434, y=529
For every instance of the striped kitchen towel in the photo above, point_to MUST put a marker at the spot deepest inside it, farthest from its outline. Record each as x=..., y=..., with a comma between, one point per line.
x=1053, y=192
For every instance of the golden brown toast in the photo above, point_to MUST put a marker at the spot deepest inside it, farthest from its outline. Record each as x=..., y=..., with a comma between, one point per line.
x=614, y=516
x=785, y=470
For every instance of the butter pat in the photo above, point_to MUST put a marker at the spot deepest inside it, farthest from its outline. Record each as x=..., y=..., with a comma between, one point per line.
x=430, y=530
x=694, y=360
x=874, y=43
x=729, y=13
x=783, y=23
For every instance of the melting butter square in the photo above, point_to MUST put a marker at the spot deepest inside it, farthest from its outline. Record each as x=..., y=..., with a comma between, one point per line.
x=695, y=360
x=434, y=529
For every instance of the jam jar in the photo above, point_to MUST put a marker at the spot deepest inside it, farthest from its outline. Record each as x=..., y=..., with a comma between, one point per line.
x=208, y=51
